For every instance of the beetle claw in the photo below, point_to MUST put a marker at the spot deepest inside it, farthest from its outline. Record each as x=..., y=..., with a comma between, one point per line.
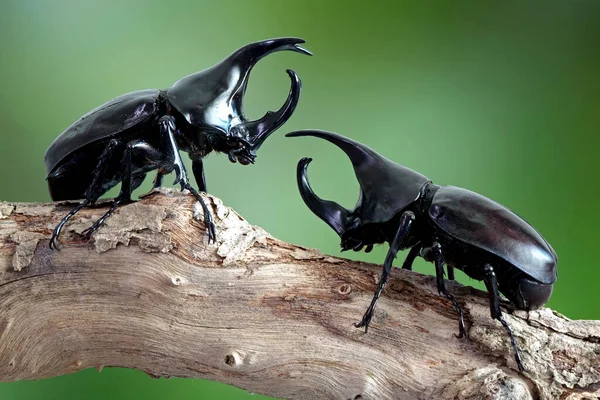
x=180, y=174
x=366, y=319
x=364, y=322
x=208, y=221
x=212, y=235
x=462, y=334
x=53, y=241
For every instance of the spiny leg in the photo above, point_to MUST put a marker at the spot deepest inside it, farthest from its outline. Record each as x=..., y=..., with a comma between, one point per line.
x=198, y=170
x=403, y=230
x=439, y=273
x=93, y=192
x=53, y=241
x=492, y=287
x=128, y=184
x=167, y=127
x=410, y=258
x=208, y=221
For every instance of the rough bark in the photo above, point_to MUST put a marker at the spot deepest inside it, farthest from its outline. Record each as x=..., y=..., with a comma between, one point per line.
x=147, y=292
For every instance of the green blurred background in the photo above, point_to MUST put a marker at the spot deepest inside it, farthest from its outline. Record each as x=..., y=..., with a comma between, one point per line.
x=498, y=97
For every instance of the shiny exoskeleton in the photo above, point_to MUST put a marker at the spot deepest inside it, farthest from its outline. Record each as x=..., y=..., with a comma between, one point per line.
x=446, y=225
x=131, y=135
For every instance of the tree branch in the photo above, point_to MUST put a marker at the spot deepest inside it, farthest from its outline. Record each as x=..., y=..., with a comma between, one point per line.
x=258, y=313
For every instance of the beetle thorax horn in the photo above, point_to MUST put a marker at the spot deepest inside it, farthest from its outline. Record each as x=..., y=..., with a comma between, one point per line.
x=255, y=132
x=386, y=187
x=212, y=99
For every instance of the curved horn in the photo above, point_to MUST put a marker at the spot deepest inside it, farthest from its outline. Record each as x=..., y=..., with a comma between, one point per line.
x=213, y=97
x=385, y=186
x=358, y=153
x=260, y=129
x=332, y=213
x=246, y=57
x=253, y=52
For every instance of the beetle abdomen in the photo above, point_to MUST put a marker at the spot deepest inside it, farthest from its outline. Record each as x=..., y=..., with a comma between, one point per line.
x=68, y=187
x=109, y=119
x=71, y=178
x=478, y=221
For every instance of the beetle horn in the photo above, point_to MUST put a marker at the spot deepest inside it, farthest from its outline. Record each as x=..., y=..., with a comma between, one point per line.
x=385, y=186
x=362, y=157
x=256, y=132
x=260, y=129
x=247, y=57
x=331, y=212
x=212, y=99
x=250, y=54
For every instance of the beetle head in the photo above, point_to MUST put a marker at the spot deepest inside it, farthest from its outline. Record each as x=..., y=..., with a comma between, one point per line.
x=386, y=188
x=212, y=100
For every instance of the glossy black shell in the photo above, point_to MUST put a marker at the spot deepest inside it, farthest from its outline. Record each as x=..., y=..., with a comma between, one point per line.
x=386, y=187
x=109, y=119
x=478, y=221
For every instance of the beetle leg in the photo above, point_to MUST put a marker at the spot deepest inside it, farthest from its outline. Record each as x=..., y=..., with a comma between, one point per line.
x=167, y=128
x=406, y=221
x=492, y=287
x=450, y=272
x=127, y=185
x=156, y=183
x=134, y=185
x=92, y=193
x=210, y=226
x=439, y=273
x=410, y=258
x=53, y=241
x=198, y=169
x=157, y=180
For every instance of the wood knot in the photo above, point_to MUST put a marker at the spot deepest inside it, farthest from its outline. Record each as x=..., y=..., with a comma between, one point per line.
x=176, y=280
x=234, y=359
x=230, y=360
x=345, y=289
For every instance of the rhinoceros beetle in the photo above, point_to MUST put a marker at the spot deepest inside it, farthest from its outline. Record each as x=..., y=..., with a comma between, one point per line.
x=131, y=135
x=445, y=225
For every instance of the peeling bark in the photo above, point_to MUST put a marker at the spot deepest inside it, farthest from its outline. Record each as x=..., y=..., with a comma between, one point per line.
x=148, y=292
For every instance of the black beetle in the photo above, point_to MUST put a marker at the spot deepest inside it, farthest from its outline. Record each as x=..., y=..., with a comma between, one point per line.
x=443, y=224
x=133, y=134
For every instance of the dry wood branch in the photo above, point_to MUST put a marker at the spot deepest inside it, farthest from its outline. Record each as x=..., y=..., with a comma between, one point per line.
x=147, y=292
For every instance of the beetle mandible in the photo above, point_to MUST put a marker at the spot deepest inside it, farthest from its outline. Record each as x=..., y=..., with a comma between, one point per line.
x=445, y=225
x=131, y=135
